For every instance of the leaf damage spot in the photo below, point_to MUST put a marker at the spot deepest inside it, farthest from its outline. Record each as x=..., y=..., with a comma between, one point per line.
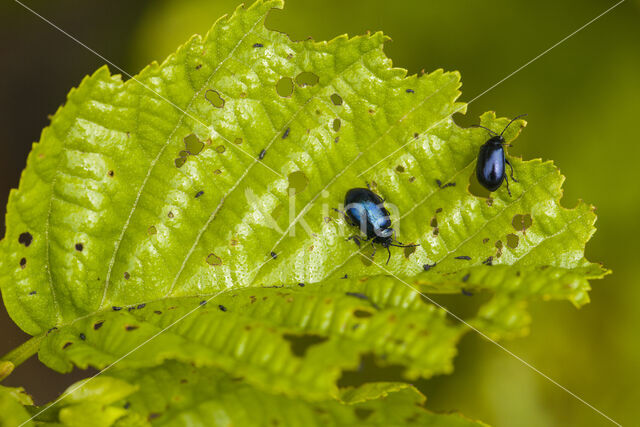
x=131, y=327
x=298, y=182
x=213, y=259
x=336, y=99
x=25, y=239
x=152, y=230
x=300, y=344
x=522, y=222
x=336, y=125
x=262, y=154
x=286, y=133
x=362, y=314
x=307, y=78
x=79, y=247
x=284, y=87
x=464, y=257
x=427, y=267
x=23, y=263
x=513, y=240
x=192, y=145
x=199, y=193
x=98, y=325
x=127, y=276
x=214, y=98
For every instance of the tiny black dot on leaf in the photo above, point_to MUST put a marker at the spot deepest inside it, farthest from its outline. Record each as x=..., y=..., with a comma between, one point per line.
x=98, y=325
x=222, y=307
x=131, y=327
x=82, y=336
x=23, y=263
x=79, y=247
x=126, y=275
x=25, y=239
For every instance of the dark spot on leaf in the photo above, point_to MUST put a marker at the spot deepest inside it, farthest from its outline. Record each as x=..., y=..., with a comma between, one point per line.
x=51, y=330
x=336, y=125
x=438, y=210
x=131, y=327
x=300, y=344
x=170, y=214
x=133, y=307
x=336, y=139
x=238, y=141
x=499, y=247
x=258, y=45
x=362, y=314
x=345, y=277
x=284, y=87
x=126, y=275
x=151, y=230
x=152, y=416
x=220, y=149
x=127, y=405
x=141, y=306
x=286, y=133
x=110, y=174
x=198, y=66
x=428, y=267
x=357, y=295
x=203, y=302
x=465, y=278
x=464, y=257
x=363, y=413
x=489, y=202
x=157, y=312
x=82, y=336
x=411, y=179
x=262, y=154
x=217, y=172
x=439, y=183
x=400, y=169
x=116, y=308
x=98, y=325
x=67, y=344
x=214, y=98
x=434, y=222
x=336, y=99
x=274, y=255
x=513, y=240
x=485, y=240
x=301, y=285
x=25, y=239
x=488, y=261
x=222, y=307
x=23, y=263
x=79, y=247
x=180, y=161
x=307, y=78
x=199, y=193
x=32, y=293
x=410, y=91
x=213, y=259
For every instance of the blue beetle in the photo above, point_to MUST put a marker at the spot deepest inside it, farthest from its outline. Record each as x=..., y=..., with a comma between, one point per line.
x=490, y=168
x=365, y=209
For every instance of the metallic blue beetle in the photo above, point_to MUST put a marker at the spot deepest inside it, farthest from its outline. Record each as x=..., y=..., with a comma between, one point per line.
x=365, y=209
x=491, y=169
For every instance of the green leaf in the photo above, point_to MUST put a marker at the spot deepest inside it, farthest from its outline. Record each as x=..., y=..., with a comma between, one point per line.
x=215, y=174
x=276, y=338
x=179, y=394
x=12, y=402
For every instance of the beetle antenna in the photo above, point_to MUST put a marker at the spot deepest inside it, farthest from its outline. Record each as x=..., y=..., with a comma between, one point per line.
x=512, y=120
x=479, y=126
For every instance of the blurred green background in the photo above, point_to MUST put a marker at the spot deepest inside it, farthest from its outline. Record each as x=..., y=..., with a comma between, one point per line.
x=582, y=99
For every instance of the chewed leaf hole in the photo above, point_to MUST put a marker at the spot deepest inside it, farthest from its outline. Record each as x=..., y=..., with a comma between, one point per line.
x=214, y=98
x=284, y=87
x=192, y=145
x=213, y=259
x=300, y=344
x=362, y=314
x=307, y=78
x=336, y=125
x=336, y=99
x=522, y=222
x=408, y=251
x=475, y=188
x=513, y=240
x=298, y=182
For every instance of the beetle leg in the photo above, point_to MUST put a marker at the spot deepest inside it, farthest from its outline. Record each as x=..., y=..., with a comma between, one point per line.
x=355, y=238
x=374, y=250
x=506, y=180
x=509, y=163
x=389, y=257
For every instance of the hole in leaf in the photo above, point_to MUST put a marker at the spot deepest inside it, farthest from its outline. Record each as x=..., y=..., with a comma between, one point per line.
x=408, y=251
x=284, y=87
x=192, y=145
x=336, y=99
x=79, y=247
x=400, y=169
x=214, y=98
x=23, y=263
x=336, y=125
x=238, y=141
x=220, y=149
x=475, y=188
x=300, y=344
x=180, y=161
x=127, y=276
x=297, y=182
x=522, y=222
x=499, y=247
x=110, y=174
x=512, y=240
x=213, y=259
x=307, y=78
x=152, y=230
